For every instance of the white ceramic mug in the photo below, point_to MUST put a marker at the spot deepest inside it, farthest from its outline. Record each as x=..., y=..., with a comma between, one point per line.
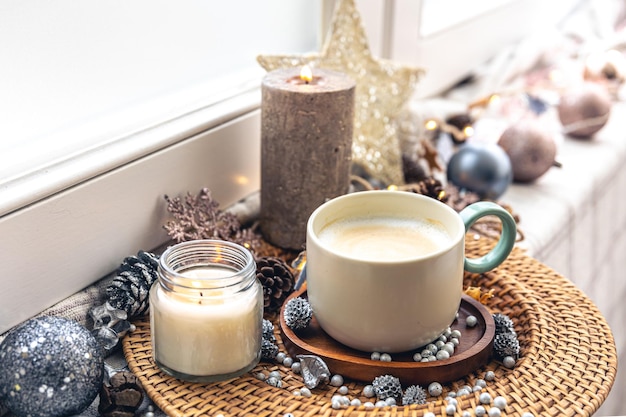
x=385, y=268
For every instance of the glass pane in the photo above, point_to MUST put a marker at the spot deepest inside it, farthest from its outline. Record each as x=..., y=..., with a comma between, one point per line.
x=76, y=74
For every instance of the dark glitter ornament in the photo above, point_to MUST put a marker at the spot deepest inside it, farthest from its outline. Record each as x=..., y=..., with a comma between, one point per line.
x=297, y=313
x=387, y=386
x=414, y=395
x=50, y=367
x=484, y=169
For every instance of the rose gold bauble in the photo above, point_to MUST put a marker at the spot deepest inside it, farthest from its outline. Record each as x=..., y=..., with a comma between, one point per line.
x=585, y=109
x=530, y=147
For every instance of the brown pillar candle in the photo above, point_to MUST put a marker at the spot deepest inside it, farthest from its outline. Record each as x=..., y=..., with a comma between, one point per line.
x=306, y=148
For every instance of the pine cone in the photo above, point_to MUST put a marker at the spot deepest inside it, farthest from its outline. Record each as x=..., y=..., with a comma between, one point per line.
x=414, y=395
x=122, y=397
x=268, y=331
x=269, y=350
x=506, y=344
x=277, y=280
x=412, y=170
x=298, y=313
x=387, y=386
x=430, y=187
x=503, y=323
x=130, y=288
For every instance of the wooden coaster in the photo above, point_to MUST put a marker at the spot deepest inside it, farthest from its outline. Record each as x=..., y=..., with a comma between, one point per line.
x=474, y=350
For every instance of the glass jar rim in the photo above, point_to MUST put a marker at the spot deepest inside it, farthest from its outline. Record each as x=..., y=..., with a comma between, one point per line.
x=195, y=254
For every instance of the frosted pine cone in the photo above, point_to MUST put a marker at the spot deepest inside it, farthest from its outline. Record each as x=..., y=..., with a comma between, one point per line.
x=130, y=288
x=387, y=386
x=269, y=350
x=503, y=323
x=268, y=331
x=506, y=344
x=298, y=313
x=414, y=395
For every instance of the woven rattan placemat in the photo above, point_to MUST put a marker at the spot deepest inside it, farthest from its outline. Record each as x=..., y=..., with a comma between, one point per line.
x=567, y=366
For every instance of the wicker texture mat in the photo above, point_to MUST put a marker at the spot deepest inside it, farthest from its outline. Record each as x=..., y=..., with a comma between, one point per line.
x=567, y=366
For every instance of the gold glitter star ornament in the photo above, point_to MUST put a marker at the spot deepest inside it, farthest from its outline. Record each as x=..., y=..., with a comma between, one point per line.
x=382, y=89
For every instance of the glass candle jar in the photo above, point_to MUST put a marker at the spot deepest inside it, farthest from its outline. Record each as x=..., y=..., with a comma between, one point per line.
x=206, y=311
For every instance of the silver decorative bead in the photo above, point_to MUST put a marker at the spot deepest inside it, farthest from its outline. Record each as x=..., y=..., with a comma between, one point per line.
x=462, y=392
x=385, y=357
x=390, y=401
x=288, y=362
x=355, y=402
x=499, y=402
x=435, y=389
x=450, y=409
x=343, y=390
x=490, y=376
x=368, y=405
x=375, y=356
x=296, y=367
x=275, y=374
x=429, y=414
x=480, y=411
x=494, y=412
x=509, y=362
x=442, y=354
x=368, y=391
x=380, y=403
x=471, y=321
x=485, y=398
x=336, y=380
x=456, y=333
x=481, y=383
x=452, y=401
x=417, y=356
x=280, y=357
x=306, y=392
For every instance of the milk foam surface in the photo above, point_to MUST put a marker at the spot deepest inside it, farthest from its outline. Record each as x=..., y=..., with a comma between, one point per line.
x=385, y=238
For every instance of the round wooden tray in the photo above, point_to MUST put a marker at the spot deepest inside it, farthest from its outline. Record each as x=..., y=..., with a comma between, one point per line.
x=474, y=350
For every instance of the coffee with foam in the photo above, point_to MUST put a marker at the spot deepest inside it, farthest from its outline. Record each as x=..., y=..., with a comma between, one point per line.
x=386, y=238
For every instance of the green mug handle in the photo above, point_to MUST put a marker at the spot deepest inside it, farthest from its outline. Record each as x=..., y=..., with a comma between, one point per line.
x=497, y=255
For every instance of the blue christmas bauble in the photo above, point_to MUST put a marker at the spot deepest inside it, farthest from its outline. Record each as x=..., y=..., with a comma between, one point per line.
x=484, y=169
x=50, y=366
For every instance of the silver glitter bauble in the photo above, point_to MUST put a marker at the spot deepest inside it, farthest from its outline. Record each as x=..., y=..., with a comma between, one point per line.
x=50, y=366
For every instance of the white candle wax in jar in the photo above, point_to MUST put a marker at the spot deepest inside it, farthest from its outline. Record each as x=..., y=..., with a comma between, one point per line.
x=207, y=326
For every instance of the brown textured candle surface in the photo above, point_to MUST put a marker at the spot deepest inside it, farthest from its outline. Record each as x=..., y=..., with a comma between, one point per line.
x=306, y=149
